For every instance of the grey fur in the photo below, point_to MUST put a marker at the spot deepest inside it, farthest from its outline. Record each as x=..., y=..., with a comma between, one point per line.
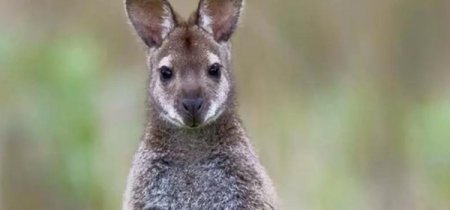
x=209, y=167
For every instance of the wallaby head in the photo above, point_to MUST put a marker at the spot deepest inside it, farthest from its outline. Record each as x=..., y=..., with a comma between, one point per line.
x=191, y=81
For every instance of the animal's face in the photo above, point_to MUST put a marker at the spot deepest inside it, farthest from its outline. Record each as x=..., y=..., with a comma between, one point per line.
x=190, y=77
x=189, y=62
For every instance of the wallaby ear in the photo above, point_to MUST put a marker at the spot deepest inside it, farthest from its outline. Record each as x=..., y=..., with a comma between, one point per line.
x=153, y=20
x=219, y=17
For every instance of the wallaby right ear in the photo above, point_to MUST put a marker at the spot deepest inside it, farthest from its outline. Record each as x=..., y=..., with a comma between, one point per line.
x=153, y=20
x=219, y=17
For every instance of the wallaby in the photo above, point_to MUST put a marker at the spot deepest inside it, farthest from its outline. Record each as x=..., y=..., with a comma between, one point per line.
x=195, y=153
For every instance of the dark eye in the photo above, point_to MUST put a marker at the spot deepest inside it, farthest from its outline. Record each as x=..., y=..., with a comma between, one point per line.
x=214, y=70
x=166, y=73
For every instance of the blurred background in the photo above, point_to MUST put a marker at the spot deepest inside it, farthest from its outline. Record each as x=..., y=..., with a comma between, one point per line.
x=347, y=101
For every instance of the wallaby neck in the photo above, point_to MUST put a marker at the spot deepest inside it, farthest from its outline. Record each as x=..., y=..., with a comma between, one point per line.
x=163, y=136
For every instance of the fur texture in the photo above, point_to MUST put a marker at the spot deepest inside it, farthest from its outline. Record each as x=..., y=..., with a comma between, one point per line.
x=210, y=168
x=179, y=167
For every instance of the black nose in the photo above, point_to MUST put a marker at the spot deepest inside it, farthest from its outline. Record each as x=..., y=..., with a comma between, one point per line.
x=192, y=106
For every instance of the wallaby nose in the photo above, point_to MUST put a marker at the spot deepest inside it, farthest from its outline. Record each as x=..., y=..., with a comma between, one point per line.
x=192, y=106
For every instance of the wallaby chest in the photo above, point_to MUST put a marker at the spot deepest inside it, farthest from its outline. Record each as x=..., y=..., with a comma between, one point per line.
x=209, y=183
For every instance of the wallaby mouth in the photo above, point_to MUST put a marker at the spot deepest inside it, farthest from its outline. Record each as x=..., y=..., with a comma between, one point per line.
x=193, y=121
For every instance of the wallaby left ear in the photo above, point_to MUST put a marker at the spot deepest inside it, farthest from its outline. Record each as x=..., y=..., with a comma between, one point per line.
x=153, y=20
x=219, y=17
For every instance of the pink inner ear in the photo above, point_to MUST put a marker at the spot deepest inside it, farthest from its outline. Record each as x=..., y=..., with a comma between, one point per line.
x=148, y=19
x=155, y=34
x=150, y=33
x=223, y=16
x=224, y=27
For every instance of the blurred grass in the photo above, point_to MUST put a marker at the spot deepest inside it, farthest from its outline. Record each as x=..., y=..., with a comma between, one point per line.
x=347, y=103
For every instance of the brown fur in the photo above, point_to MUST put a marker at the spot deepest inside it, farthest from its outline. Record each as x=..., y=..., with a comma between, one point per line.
x=177, y=166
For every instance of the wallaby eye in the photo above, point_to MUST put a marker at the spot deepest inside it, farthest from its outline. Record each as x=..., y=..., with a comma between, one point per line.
x=214, y=70
x=166, y=73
